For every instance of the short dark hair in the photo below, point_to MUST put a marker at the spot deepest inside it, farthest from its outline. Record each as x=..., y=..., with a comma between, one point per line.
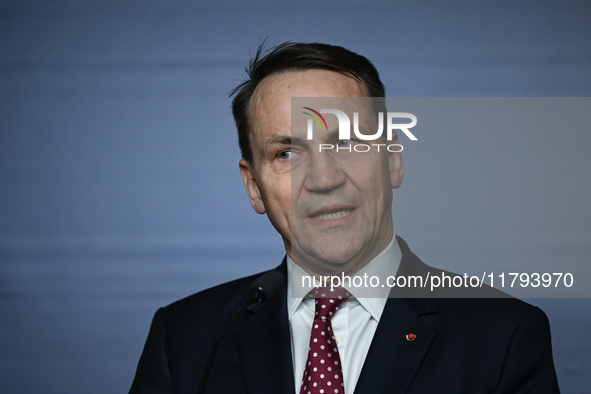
x=295, y=56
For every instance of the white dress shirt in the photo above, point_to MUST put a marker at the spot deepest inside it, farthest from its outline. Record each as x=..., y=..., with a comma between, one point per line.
x=354, y=324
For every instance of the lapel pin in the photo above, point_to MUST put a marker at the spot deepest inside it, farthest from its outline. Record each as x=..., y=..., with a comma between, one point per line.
x=411, y=337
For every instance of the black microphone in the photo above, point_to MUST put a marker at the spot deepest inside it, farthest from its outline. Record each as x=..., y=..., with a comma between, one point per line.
x=262, y=289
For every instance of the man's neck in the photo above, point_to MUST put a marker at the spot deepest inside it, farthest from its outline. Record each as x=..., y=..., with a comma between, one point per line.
x=381, y=266
x=318, y=267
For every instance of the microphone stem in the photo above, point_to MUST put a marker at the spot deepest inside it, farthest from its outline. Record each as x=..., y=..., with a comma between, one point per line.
x=255, y=295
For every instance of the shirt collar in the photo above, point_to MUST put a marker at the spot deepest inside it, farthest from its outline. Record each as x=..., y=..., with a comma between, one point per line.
x=372, y=299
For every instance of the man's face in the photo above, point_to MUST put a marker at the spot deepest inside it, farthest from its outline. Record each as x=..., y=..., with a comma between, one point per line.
x=333, y=209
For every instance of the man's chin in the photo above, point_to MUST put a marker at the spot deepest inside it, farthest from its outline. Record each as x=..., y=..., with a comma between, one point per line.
x=330, y=260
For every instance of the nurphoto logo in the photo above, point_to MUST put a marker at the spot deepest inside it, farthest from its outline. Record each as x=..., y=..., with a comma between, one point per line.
x=345, y=129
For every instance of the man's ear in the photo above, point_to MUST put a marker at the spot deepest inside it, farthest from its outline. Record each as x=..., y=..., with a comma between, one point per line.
x=252, y=189
x=396, y=167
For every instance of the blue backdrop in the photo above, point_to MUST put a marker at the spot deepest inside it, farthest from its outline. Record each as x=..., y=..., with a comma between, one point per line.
x=119, y=182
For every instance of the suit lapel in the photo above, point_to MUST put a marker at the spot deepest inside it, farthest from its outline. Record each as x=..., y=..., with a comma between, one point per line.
x=393, y=361
x=265, y=346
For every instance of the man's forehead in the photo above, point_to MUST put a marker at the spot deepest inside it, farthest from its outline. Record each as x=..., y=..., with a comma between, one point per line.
x=270, y=106
x=280, y=88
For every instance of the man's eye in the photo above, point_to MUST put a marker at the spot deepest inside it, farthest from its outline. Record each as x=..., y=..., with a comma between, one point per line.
x=345, y=142
x=285, y=155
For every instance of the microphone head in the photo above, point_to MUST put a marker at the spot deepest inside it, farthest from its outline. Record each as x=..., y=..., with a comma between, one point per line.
x=269, y=283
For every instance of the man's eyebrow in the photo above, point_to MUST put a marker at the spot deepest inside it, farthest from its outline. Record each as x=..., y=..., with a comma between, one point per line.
x=332, y=135
x=284, y=140
x=279, y=139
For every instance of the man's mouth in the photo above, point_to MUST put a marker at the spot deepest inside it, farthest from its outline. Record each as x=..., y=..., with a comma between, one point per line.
x=331, y=215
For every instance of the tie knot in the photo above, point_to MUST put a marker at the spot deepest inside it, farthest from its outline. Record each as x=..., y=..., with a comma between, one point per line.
x=328, y=301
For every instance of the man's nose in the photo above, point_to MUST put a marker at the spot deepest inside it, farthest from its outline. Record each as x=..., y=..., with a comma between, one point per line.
x=324, y=172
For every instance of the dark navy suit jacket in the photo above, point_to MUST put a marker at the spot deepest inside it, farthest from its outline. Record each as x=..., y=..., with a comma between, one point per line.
x=467, y=345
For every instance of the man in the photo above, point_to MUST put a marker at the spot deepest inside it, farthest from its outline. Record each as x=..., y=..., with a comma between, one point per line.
x=333, y=211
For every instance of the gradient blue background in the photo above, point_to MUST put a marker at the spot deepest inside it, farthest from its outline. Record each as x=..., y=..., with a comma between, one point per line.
x=119, y=182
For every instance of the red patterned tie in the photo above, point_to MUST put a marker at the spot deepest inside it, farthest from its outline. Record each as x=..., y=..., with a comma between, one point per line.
x=323, y=374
